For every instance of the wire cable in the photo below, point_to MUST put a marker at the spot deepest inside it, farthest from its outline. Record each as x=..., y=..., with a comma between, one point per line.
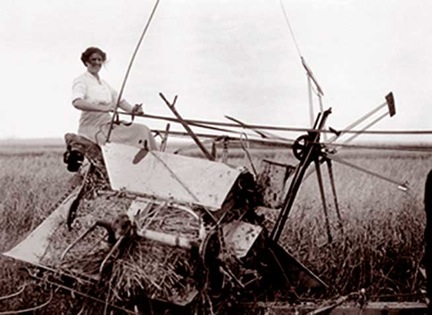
x=290, y=28
x=130, y=67
x=174, y=176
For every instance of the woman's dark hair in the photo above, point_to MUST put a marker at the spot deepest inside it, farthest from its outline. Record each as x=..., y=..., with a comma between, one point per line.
x=85, y=56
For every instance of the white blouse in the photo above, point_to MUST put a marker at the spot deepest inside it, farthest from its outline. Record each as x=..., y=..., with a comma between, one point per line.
x=95, y=125
x=87, y=87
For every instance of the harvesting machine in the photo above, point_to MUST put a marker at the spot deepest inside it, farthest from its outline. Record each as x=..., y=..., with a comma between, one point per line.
x=160, y=232
x=144, y=231
x=175, y=231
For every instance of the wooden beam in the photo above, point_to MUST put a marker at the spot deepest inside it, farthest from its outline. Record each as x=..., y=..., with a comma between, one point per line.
x=186, y=126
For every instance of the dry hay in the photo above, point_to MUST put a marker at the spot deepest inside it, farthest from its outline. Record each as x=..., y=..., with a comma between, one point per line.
x=153, y=270
x=89, y=211
x=140, y=267
x=169, y=218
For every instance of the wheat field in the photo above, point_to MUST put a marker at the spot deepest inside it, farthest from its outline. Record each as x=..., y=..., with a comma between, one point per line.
x=379, y=248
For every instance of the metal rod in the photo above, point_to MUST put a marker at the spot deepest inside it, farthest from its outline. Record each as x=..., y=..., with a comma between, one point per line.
x=168, y=239
x=333, y=188
x=186, y=127
x=320, y=103
x=280, y=128
x=351, y=138
x=290, y=197
x=361, y=119
x=260, y=133
x=165, y=138
x=130, y=67
x=401, y=147
x=315, y=125
x=310, y=74
x=263, y=134
x=311, y=111
x=323, y=199
x=298, y=178
x=321, y=110
x=215, y=128
x=358, y=121
x=210, y=128
x=272, y=143
x=291, y=194
x=401, y=186
x=365, y=128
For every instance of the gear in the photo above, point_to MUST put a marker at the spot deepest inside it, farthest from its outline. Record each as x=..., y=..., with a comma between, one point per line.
x=300, y=146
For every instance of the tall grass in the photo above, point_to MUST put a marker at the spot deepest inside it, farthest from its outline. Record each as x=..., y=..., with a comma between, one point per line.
x=380, y=245
x=31, y=182
x=379, y=249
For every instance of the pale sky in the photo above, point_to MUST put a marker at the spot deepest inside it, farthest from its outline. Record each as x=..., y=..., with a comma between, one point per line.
x=232, y=57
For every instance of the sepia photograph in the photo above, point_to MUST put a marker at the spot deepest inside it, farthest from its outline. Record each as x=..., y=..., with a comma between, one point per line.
x=214, y=157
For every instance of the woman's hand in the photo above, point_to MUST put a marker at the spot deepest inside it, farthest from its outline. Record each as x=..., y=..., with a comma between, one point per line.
x=137, y=109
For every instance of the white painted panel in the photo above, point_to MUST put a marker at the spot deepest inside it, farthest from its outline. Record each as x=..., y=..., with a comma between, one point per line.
x=169, y=176
x=34, y=247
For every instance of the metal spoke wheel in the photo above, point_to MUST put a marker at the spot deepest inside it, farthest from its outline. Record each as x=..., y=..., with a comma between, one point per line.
x=300, y=146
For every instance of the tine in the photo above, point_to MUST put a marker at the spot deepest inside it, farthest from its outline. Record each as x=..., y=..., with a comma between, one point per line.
x=113, y=249
x=90, y=229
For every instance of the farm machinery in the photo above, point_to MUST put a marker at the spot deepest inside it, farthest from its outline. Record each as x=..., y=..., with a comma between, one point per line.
x=176, y=232
x=145, y=231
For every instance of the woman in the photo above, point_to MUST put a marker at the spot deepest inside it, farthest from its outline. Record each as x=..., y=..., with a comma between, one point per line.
x=96, y=98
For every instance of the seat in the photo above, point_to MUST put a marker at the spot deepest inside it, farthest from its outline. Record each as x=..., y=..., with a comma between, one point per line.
x=78, y=148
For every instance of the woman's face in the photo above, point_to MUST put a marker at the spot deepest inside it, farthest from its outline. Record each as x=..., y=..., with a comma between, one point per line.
x=94, y=63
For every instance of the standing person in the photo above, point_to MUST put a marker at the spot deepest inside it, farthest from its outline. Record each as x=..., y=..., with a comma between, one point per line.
x=96, y=99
